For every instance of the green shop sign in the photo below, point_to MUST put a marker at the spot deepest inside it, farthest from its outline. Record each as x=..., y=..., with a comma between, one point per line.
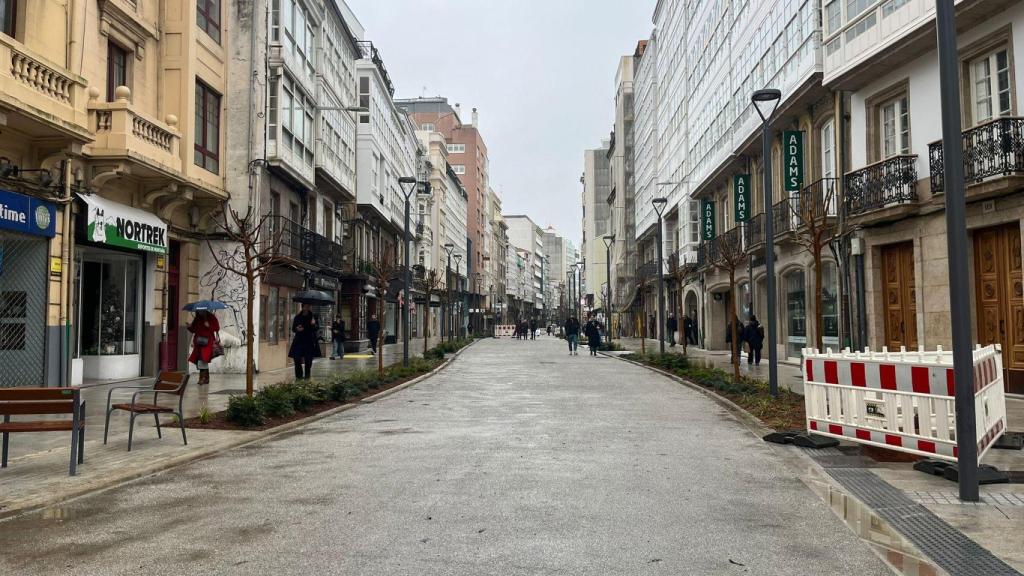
x=741, y=196
x=115, y=224
x=793, y=160
x=707, y=219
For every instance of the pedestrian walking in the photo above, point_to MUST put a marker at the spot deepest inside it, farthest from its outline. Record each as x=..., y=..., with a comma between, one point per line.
x=572, y=334
x=695, y=331
x=338, y=337
x=688, y=330
x=593, y=332
x=549, y=329
x=205, y=329
x=672, y=325
x=533, y=329
x=754, y=335
x=373, y=332
x=305, y=346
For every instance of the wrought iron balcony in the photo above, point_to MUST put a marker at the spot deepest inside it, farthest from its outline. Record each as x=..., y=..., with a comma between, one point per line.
x=648, y=270
x=784, y=219
x=995, y=148
x=302, y=245
x=754, y=231
x=891, y=182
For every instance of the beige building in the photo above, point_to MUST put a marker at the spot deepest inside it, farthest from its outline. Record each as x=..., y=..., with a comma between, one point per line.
x=111, y=116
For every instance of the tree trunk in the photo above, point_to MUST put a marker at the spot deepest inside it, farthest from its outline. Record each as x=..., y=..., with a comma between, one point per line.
x=380, y=334
x=643, y=333
x=819, y=318
x=250, y=335
x=733, y=327
x=426, y=325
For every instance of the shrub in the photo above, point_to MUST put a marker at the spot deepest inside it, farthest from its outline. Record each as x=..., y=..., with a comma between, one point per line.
x=275, y=401
x=205, y=415
x=337, y=390
x=244, y=411
x=303, y=395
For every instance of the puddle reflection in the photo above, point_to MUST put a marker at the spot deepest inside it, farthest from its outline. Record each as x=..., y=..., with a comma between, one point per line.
x=893, y=548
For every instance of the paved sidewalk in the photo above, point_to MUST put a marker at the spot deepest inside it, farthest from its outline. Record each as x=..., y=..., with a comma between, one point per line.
x=37, y=468
x=515, y=460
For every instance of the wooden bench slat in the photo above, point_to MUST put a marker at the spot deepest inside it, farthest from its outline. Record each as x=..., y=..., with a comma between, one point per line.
x=31, y=393
x=142, y=408
x=52, y=407
x=39, y=426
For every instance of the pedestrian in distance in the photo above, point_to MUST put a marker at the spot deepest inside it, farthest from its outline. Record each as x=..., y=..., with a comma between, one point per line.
x=549, y=329
x=305, y=346
x=572, y=334
x=688, y=330
x=338, y=337
x=672, y=325
x=373, y=331
x=533, y=329
x=205, y=329
x=695, y=331
x=753, y=333
x=593, y=332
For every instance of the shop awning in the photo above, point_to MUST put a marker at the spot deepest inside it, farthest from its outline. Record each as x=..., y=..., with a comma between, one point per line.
x=112, y=223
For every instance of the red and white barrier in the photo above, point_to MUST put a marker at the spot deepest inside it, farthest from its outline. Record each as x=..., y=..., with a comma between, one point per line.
x=901, y=400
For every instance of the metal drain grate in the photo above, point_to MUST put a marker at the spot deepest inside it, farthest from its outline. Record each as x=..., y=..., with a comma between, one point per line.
x=947, y=547
x=991, y=499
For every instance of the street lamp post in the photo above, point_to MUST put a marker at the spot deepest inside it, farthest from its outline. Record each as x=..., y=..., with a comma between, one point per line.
x=769, y=97
x=608, y=241
x=956, y=243
x=659, y=207
x=449, y=248
x=458, y=260
x=408, y=184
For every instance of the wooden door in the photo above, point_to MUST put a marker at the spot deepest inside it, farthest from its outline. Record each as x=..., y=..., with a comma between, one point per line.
x=999, y=297
x=900, y=294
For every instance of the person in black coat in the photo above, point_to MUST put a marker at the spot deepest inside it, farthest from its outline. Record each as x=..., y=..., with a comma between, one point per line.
x=593, y=332
x=373, y=332
x=533, y=329
x=753, y=333
x=305, y=346
x=689, y=330
x=672, y=325
x=338, y=337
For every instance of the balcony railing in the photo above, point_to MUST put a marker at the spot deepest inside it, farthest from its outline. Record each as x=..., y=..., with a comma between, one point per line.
x=995, y=148
x=784, y=218
x=48, y=90
x=891, y=182
x=300, y=244
x=754, y=230
x=121, y=129
x=647, y=270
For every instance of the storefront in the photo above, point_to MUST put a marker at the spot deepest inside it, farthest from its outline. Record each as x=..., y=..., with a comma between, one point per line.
x=796, y=313
x=26, y=227
x=116, y=260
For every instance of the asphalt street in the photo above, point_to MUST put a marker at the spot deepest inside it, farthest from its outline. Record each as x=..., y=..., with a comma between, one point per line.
x=517, y=459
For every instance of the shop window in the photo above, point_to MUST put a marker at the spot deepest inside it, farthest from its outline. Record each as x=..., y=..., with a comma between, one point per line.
x=796, y=313
x=110, y=299
x=830, y=304
x=270, y=313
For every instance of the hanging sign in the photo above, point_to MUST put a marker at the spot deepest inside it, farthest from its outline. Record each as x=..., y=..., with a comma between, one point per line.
x=27, y=215
x=741, y=197
x=707, y=219
x=115, y=224
x=793, y=160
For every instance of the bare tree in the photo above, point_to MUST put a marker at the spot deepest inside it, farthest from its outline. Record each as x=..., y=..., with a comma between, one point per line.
x=430, y=284
x=814, y=213
x=258, y=243
x=684, y=277
x=731, y=255
x=385, y=270
x=642, y=282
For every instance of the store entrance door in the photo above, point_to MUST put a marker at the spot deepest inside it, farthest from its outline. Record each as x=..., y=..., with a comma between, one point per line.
x=170, y=352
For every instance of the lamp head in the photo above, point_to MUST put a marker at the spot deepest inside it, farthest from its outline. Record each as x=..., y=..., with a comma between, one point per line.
x=608, y=240
x=769, y=99
x=449, y=248
x=406, y=180
x=659, y=204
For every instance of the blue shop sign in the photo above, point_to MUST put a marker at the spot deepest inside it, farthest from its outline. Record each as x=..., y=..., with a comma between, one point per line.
x=26, y=215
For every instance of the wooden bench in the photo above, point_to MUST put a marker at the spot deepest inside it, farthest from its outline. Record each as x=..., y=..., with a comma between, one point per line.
x=39, y=402
x=172, y=383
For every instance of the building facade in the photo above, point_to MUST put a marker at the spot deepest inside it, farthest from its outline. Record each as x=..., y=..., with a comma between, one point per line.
x=596, y=224
x=526, y=238
x=622, y=201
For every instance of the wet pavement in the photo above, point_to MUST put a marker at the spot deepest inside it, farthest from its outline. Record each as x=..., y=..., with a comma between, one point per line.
x=515, y=459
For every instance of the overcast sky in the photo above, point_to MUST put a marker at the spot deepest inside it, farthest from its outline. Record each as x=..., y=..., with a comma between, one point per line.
x=540, y=72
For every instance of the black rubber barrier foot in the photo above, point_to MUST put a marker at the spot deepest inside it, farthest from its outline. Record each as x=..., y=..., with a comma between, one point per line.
x=1010, y=441
x=784, y=437
x=987, y=474
x=806, y=440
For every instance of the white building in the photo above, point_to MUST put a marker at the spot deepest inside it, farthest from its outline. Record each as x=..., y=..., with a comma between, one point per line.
x=527, y=239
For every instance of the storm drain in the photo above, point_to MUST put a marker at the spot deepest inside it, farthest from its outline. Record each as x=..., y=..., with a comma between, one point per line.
x=994, y=499
x=943, y=544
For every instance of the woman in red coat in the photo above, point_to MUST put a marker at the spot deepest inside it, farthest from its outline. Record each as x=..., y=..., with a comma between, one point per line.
x=205, y=331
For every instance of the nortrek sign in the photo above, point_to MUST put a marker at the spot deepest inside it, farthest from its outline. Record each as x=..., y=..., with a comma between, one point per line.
x=27, y=215
x=793, y=160
x=118, y=225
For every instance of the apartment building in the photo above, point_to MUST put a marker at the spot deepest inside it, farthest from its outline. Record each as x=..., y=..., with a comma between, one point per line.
x=498, y=263
x=110, y=158
x=596, y=225
x=526, y=239
x=622, y=200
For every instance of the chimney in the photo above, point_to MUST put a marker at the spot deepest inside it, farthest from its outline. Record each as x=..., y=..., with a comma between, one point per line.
x=458, y=111
x=475, y=118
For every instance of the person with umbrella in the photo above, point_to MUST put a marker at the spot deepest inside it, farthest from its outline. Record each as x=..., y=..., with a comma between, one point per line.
x=305, y=346
x=205, y=329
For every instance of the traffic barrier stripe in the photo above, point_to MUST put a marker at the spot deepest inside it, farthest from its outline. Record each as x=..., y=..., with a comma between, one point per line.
x=903, y=442
x=935, y=380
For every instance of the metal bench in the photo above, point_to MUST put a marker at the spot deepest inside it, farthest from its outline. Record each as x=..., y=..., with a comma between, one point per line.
x=39, y=402
x=172, y=383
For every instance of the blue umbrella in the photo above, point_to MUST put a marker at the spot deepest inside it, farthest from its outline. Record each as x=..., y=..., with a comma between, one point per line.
x=208, y=305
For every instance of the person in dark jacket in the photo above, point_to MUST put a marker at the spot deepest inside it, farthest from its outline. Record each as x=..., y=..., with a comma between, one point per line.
x=338, y=337
x=593, y=332
x=373, y=332
x=753, y=333
x=533, y=329
x=572, y=335
x=305, y=346
x=672, y=325
x=689, y=330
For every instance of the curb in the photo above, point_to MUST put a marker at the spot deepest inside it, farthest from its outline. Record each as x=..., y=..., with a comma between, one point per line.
x=249, y=438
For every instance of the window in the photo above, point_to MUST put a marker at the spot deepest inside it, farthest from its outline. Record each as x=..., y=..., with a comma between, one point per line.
x=458, y=168
x=292, y=27
x=208, y=17
x=270, y=313
x=894, y=121
x=855, y=7
x=207, y=128
x=861, y=27
x=364, y=99
x=833, y=16
x=117, y=69
x=990, y=86
x=296, y=120
x=456, y=148
x=828, y=151
x=892, y=6
x=428, y=127
x=8, y=13
x=694, y=222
